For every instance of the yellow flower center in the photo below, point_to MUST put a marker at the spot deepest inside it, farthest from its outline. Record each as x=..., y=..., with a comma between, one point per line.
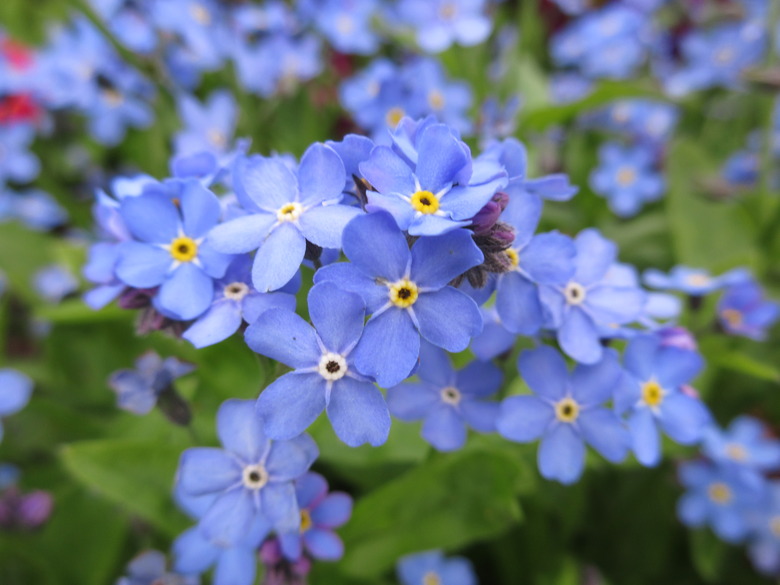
x=113, y=97
x=736, y=452
x=394, y=115
x=514, y=257
x=626, y=176
x=184, y=249
x=201, y=14
x=289, y=212
x=403, y=293
x=425, y=202
x=450, y=395
x=698, y=280
x=719, y=493
x=436, y=100
x=732, y=316
x=567, y=410
x=652, y=393
x=448, y=11
x=305, y=520
x=431, y=578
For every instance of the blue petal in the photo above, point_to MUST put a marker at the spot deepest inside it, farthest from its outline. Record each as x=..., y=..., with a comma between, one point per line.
x=644, y=437
x=332, y=512
x=480, y=415
x=291, y=544
x=448, y=318
x=545, y=372
x=218, y=323
x=524, y=418
x=279, y=258
x=15, y=391
x=337, y=315
x=479, y=379
x=402, y=212
x=604, y=431
x=412, y=401
x=595, y=384
x=562, y=454
x=349, y=278
x=435, y=367
x=595, y=254
x=289, y=460
x=264, y=183
x=141, y=265
x=324, y=225
x=676, y=366
x=730, y=524
x=375, y=245
x=242, y=234
x=187, y=292
x=151, y=218
x=640, y=356
x=236, y=566
x=323, y=544
x=387, y=172
x=548, y=259
x=199, y=209
x=444, y=429
x=436, y=260
x=493, y=341
x=440, y=158
x=203, y=470
x=310, y=489
x=321, y=176
x=291, y=403
x=280, y=507
x=193, y=553
x=240, y=431
x=523, y=213
x=613, y=304
x=230, y=517
x=358, y=413
x=579, y=338
x=683, y=418
x=518, y=304
x=285, y=337
x=389, y=347
x=255, y=304
x=692, y=510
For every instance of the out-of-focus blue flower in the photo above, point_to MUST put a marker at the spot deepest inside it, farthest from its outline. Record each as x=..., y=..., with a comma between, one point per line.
x=324, y=376
x=440, y=23
x=285, y=210
x=448, y=401
x=652, y=395
x=54, y=283
x=433, y=568
x=590, y=300
x=149, y=568
x=15, y=391
x=692, y=281
x=567, y=87
x=566, y=412
x=746, y=445
x=208, y=127
x=744, y=310
x=37, y=209
x=17, y=163
x=626, y=178
x=129, y=21
x=321, y=512
x=742, y=168
x=764, y=541
x=235, y=301
x=345, y=23
x=497, y=122
x=407, y=293
x=717, y=56
x=137, y=390
x=448, y=100
x=170, y=249
x=649, y=122
x=250, y=479
x=438, y=190
x=718, y=497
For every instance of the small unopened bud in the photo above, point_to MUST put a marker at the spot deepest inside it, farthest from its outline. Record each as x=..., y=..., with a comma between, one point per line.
x=678, y=337
x=487, y=217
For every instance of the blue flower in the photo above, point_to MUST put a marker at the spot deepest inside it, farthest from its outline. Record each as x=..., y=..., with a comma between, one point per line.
x=345, y=23
x=440, y=23
x=321, y=512
x=693, y=281
x=285, y=210
x=447, y=400
x=744, y=310
x=764, y=541
x=54, y=283
x=428, y=85
x=208, y=127
x=148, y=568
x=170, y=249
x=432, y=568
x=626, y=178
x=745, y=445
x=129, y=21
x=719, y=497
x=352, y=150
x=653, y=396
x=324, y=375
x=435, y=191
x=495, y=339
x=566, y=412
x=17, y=163
x=15, y=392
x=235, y=301
x=407, y=293
x=251, y=478
x=589, y=299
x=37, y=210
x=137, y=390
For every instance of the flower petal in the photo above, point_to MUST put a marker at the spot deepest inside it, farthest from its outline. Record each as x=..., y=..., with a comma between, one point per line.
x=358, y=413
x=645, y=440
x=579, y=338
x=142, y=265
x=562, y=454
x=264, y=183
x=240, y=431
x=218, y=323
x=436, y=260
x=448, y=318
x=204, y=470
x=524, y=418
x=242, y=234
x=151, y=218
x=321, y=176
x=324, y=225
x=389, y=348
x=323, y=544
x=187, y=292
x=333, y=511
x=444, y=429
x=279, y=258
x=545, y=372
x=285, y=337
x=337, y=315
x=603, y=430
x=290, y=404
x=375, y=245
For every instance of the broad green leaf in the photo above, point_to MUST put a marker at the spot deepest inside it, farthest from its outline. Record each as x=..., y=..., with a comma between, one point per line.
x=708, y=553
x=743, y=363
x=134, y=474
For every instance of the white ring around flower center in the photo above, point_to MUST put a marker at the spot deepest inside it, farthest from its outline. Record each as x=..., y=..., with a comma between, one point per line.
x=574, y=293
x=289, y=212
x=254, y=477
x=235, y=291
x=332, y=366
x=450, y=395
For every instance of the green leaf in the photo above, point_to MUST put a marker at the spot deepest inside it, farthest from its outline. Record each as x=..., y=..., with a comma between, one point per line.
x=136, y=475
x=745, y=364
x=708, y=553
x=446, y=503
